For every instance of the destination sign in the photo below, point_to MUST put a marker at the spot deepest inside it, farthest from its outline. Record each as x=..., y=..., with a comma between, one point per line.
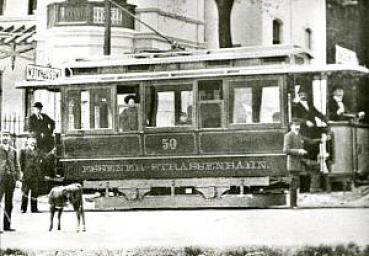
x=190, y=166
x=42, y=73
x=176, y=168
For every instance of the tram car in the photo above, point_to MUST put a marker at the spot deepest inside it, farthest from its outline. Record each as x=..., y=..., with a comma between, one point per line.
x=195, y=129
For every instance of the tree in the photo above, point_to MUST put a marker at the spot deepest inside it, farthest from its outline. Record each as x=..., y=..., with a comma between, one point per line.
x=224, y=22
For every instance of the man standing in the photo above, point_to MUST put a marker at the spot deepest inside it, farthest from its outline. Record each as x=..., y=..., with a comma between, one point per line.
x=42, y=126
x=30, y=161
x=9, y=176
x=293, y=146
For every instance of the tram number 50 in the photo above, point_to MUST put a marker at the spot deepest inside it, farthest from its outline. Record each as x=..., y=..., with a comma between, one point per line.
x=169, y=144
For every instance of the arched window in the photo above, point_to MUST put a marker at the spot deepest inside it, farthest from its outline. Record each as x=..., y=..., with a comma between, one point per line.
x=308, y=38
x=277, y=31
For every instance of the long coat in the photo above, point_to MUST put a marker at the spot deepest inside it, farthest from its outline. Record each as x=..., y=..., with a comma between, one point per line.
x=291, y=146
x=301, y=113
x=30, y=161
x=11, y=158
x=43, y=130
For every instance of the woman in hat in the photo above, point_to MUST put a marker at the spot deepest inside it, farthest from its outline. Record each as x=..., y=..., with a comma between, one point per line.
x=128, y=119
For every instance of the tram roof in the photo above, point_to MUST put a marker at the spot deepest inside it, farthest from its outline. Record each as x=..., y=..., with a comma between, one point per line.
x=279, y=69
x=148, y=58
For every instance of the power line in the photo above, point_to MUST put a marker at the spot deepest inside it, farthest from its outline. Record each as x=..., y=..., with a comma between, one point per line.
x=173, y=43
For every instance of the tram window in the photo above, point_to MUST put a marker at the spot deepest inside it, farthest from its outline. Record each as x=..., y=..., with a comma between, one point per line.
x=128, y=105
x=169, y=106
x=254, y=101
x=89, y=109
x=211, y=103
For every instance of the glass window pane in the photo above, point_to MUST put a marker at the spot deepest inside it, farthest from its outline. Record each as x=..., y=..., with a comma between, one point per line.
x=255, y=101
x=169, y=105
x=165, y=114
x=270, y=112
x=242, y=105
x=89, y=109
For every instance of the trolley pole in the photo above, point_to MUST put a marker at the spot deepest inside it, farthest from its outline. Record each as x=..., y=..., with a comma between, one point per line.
x=107, y=31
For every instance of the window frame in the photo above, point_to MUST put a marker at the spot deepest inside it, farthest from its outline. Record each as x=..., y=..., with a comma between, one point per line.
x=83, y=87
x=162, y=85
x=236, y=83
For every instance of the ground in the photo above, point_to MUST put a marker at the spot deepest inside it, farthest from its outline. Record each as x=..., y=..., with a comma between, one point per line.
x=161, y=231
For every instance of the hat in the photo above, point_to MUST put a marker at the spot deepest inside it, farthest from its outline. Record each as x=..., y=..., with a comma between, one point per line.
x=37, y=105
x=4, y=131
x=128, y=97
x=295, y=121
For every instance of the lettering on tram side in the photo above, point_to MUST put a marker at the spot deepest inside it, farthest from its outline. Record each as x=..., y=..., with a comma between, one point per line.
x=177, y=166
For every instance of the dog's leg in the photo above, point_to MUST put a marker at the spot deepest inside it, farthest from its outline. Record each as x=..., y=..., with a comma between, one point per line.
x=78, y=214
x=83, y=215
x=59, y=218
x=52, y=212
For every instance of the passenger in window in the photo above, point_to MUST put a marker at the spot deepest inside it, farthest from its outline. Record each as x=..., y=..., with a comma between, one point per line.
x=128, y=119
x=276, y=117
x=183, y=119
x=337, y=108
x=306, y=112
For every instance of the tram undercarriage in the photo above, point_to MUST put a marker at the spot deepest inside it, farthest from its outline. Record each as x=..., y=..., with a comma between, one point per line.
x=250, y=192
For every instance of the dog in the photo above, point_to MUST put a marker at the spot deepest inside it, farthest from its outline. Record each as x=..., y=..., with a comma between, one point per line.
x=60, y=196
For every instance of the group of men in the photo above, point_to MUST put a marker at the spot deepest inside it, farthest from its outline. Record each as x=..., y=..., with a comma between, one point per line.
x=301, y=143
x=29, y=172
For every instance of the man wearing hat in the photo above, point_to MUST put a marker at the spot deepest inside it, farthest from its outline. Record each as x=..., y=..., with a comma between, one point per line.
x=42, y=126
x=9, y=176
x=338, y=110
x=128, y=119
x=306, y=113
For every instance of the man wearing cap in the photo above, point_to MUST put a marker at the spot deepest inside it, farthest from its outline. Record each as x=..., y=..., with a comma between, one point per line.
x=128, y=119
x=338, y=110
x=9, y=176
x=297, y=161
x=30, y=162
x=42, y=126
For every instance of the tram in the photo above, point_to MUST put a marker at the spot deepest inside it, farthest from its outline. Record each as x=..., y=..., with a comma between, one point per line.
x=194, y=129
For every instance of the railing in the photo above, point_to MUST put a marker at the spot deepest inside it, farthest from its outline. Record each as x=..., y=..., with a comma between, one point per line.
x=88, y=14
x=14, y=123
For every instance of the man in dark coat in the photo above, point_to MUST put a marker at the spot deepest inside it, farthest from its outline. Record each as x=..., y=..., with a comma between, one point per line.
x=306, y=113
x=338, y=110
x=9, y=176
x=42, y=126
x=30, y=161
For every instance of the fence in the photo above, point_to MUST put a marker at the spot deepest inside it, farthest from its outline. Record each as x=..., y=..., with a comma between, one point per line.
x=14, y=123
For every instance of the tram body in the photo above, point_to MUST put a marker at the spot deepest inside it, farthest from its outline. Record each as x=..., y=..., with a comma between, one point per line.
x=227, y=154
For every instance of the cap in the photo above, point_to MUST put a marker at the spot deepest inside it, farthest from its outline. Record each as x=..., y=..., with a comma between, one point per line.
x=37, y=105
x=128, y=97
